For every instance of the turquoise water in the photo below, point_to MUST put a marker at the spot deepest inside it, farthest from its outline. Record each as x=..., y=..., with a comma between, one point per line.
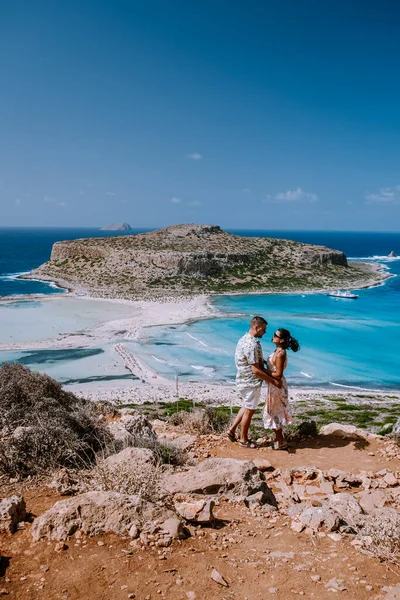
x=343, y=342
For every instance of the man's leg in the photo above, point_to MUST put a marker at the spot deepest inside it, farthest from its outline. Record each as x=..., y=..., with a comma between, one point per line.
x=237, y=421
x=246, y=420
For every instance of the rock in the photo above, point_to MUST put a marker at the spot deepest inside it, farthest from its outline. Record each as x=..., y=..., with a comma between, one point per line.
x=129, y=458
x=315, y=517
x=93, y=513
x=392, y=592
x=345, y=505
x=64, y=483
x=335, y=537
x=218, y=476
x=174, y=528
x=197, y=512
x=257, y=499
x=369, y=500
x=60, y=546
x=139, y=427
x=348, y=432
x=12, y=512
x=336, y=584
x=117, y=227
x=315, y=578
x=297, y=526
x=216, y=576
x=183, y=441
x=263, y=464
x=392, y=254
x=390, y=479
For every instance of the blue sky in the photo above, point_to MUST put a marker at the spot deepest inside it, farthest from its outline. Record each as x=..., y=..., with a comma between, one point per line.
x=258, y=114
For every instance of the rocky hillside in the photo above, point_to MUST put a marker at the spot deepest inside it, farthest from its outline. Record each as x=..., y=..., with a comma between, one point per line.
x=191, y=259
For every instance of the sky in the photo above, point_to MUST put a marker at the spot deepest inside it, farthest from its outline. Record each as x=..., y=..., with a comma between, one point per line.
x=253, y=115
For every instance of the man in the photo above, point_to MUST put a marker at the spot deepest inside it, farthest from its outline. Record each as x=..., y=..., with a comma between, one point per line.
x=250, y=375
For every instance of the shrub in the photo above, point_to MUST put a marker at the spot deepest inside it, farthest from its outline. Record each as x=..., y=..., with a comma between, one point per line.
x=42, y=426
x=201, y=420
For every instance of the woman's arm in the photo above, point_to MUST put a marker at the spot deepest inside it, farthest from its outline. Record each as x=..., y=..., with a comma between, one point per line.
x=265, y=376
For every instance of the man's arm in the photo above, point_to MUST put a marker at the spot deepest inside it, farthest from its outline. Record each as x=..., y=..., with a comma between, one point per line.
x=264, y=376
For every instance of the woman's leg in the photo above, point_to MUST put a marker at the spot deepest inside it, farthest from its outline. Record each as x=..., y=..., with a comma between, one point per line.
x=279, y=439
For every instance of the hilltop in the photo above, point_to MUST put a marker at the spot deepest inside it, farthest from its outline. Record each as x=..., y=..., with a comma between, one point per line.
x=117, y=227
x=191, y=259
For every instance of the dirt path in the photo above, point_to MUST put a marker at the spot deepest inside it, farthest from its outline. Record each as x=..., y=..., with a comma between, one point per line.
x=241, y=547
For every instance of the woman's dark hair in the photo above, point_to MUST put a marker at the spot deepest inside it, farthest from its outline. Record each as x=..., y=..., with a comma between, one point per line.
x=288, y=340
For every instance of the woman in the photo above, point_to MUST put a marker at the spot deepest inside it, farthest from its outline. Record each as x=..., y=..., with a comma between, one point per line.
x=277, y=412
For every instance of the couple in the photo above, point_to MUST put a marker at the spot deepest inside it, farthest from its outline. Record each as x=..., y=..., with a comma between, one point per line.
x=251, y=372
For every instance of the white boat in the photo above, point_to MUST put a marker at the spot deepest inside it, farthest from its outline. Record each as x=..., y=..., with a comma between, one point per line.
x=343, y=294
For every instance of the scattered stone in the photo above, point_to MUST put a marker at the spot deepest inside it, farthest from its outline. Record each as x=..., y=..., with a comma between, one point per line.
x=263, y=464
x=297, y=526
x=197, y=512
x=316, y=578
x=336, y=584
x=336, y=537
x=174, y=528
x=217, y=577
x=12, y=512
x=191, y=595
x=64, y=483
x=345, y=505
x=390, y=479
x=60, y=546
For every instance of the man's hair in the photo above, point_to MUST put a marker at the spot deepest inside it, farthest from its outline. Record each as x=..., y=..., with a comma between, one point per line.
x=258, y=322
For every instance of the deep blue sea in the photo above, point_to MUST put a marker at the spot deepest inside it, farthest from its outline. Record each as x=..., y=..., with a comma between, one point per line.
x=343, y=342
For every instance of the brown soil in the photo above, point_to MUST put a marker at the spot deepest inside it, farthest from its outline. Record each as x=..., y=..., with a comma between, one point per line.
x=240, y=551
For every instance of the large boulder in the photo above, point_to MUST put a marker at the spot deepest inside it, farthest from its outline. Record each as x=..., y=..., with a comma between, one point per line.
x=139, y=427
x=314, y=517
x=200, y=511
x=218, y=476
x=12, y=512
x=347, y=432
x=130, y=458
x=94, y=513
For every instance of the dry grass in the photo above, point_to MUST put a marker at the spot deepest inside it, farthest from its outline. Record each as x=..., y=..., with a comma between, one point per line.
x=42, y=427
x=201, y=421
x=143, y=480
x=380, y=536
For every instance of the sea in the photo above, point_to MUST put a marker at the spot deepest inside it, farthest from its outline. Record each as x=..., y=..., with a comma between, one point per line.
x=345, y=344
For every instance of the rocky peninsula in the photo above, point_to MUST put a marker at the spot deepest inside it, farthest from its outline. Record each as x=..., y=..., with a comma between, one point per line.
x=190, y=259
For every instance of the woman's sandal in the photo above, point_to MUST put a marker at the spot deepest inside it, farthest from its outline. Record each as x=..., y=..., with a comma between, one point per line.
x=249, y=444
x=231, y=436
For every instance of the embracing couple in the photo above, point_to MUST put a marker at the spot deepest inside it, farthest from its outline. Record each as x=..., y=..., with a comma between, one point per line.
x=252, y=370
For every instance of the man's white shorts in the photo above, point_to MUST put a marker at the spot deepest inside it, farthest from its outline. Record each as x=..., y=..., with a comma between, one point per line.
x=251, y=397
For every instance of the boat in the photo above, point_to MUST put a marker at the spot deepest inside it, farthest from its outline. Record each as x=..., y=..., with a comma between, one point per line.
x=343, y=294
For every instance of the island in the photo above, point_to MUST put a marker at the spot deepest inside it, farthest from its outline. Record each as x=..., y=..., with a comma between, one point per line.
x=190, y=259
x=117, y=227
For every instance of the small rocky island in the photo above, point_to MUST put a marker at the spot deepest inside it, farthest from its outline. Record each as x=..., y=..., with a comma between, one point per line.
x=183, y=260
x=117, y=227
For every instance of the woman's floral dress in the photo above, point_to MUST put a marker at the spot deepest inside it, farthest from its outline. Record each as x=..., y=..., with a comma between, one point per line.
x=276, y=412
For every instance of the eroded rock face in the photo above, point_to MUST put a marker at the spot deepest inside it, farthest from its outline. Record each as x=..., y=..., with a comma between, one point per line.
x=12, y=512
x=92, y=513
x=218, y=476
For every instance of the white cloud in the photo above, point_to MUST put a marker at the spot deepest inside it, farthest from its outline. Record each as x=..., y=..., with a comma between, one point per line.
x=195, y=156
x=175, y=200
x=389, y=195
x=195, y=203
x=54, y=201
x=297, y=195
